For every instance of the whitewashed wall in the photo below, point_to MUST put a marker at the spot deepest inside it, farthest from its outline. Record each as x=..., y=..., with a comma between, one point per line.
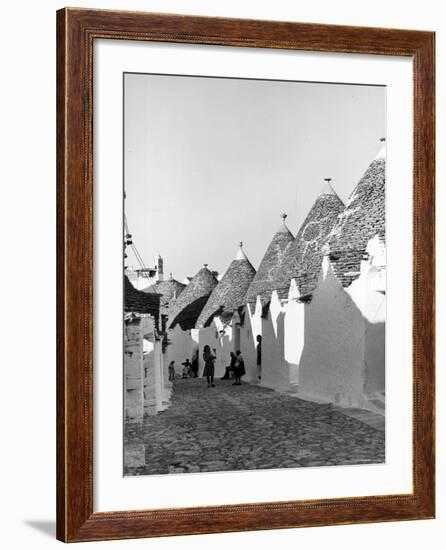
x=294, y=333
x=275, y=371
x=150, y=401
x=182, y=345
x=368, y=292
x=343, y=355
x=156, y=394
x=251, y=327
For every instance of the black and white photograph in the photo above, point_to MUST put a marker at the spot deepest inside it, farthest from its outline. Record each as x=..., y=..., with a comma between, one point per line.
x=234, y=216
x=254, y=259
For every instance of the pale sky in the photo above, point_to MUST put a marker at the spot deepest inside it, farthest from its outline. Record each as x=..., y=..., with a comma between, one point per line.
x=210, y=162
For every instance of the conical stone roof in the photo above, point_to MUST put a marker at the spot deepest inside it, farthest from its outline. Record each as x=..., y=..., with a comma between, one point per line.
x=362, y=219
x=230, y=292
x=265, y=279
x=188, y=306
x=303, y=257
x=169, y=290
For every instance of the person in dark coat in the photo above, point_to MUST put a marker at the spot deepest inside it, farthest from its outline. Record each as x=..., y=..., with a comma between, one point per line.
x=209, y=360
x=172, y=370
x=259, y=356
x=194, y=366
x=230, y=369
x=239, y=369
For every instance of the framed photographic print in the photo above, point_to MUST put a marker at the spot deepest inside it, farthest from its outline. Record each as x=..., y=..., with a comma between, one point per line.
x=245, y=275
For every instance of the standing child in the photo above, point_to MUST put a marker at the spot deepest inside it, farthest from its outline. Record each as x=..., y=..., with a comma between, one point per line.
x=239, y=369
x=194, y=365
x=172, y=370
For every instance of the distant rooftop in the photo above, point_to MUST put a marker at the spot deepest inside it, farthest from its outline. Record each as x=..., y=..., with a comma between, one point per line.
x=169, y=290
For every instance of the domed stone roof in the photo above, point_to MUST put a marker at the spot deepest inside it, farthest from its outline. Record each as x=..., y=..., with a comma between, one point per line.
x=303, y=257
x=188, y=306
x=230, y=292
x=264, y=281
x=169, y=290
x=362, y=219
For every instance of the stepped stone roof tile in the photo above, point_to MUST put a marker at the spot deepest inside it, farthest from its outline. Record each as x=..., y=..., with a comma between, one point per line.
x=230, y=292
x=169, y=290
x=264, y=281
x=187, y=307
x=140, y=302
x=362, y=219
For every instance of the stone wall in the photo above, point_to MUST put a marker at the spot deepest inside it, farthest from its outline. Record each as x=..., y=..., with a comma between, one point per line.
x=144, y=389
x=133, y=372
x=155, y=396
x=362, y=219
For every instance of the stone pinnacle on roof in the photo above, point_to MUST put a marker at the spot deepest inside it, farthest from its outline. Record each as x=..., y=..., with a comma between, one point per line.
x=188, y=306
x=240, y=252
x=283, y=227
x=327, y=189
x=303, y=257
x=230, y=292
x=382, y=151
x=362, y=219
x=265, y=280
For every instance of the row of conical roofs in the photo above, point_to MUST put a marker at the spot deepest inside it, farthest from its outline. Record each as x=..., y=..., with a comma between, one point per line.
x=297, y=258
x=342, y=231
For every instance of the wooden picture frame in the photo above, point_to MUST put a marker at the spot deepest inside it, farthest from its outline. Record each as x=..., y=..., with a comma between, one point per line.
x=76, y=31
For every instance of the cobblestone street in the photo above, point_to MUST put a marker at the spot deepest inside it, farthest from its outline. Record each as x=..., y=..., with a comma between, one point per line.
x=248, y=427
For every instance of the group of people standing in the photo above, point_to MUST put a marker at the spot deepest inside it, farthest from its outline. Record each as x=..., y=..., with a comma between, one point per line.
x=235, y=369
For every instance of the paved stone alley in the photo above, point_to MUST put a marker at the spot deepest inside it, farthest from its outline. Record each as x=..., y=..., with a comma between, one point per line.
x=249, y=427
